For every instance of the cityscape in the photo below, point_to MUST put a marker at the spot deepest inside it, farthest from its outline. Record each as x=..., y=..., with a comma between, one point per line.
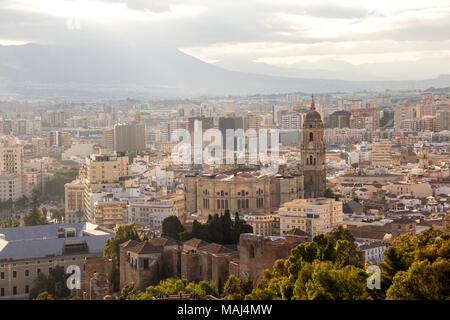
x=218, y=161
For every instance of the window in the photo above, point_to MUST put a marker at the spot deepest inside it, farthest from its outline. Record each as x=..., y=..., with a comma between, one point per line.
x=14, y=274
x=145, y=263
x=38, y=271
x=27, y=273
x=2, y=275
x=27, y=289
x=14, y=290
x=311, y=136
x=251, y=252
x=2, y=292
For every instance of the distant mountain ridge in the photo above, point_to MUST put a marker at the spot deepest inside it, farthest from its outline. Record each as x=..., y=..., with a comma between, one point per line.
x=47, y=70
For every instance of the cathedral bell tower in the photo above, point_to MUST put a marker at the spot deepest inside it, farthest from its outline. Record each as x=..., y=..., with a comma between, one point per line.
x=313, y=154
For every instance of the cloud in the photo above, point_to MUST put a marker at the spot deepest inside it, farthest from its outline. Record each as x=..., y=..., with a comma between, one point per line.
x=248, y=29
x=156, y=6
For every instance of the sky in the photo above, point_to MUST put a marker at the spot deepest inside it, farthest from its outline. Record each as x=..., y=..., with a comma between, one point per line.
x=280, y=33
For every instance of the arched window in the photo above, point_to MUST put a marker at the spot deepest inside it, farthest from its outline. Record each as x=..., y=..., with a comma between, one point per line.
x=314, y=161
x=239, y=203
x=310, y=160
x=311, y=136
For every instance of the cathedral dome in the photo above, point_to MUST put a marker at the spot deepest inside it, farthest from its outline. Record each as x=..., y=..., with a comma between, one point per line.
x=313, y=115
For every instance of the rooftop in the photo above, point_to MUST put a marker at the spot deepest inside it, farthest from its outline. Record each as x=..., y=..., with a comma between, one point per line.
x=50, y=240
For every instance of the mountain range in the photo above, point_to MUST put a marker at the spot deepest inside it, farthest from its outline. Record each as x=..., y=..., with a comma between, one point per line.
x=49, y=70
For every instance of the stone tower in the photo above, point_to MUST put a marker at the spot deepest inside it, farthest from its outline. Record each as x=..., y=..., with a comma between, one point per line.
x=313, y=154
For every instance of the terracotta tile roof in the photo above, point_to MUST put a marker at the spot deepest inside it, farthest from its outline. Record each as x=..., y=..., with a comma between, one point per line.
x=215, y=248
x=129, y=244
x=297, y=232
x=146, y=247
x=163, y=241
x=196, y=243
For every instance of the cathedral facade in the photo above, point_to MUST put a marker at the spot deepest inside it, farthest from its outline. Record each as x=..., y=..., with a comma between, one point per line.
x=245, y=191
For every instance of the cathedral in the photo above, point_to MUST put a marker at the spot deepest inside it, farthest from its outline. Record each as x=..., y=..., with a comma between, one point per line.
x=246, y=190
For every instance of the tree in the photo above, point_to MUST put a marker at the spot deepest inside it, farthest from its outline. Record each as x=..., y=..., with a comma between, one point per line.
x=10, y=223
x=44, y=296
x=422, y=281
x=172, y=227
x=58, y=214
x=239, y=227
x=34, y=216
x=123, y=233
x=328, y=282
x=129, y=292
x=233, y=289
x=55, y=186
x=54, y=283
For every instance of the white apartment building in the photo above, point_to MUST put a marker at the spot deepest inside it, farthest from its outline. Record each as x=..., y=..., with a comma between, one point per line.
x=292, y=120
x=373, y=252
x=313, y=216
x=151, y=212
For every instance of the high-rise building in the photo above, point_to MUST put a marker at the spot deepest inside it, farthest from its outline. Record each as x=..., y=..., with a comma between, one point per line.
x=442, y=120
x=229, y=123
x=313, y=155
x=12, y=179
x=168, y=127
x=382, y=153
x=74, y=201
x=59, y=139
x=11, y=156
x=108, y=139
x=426, y=105
x=292, y=120
x=110, y=211
x=403, y=112
x=340, y=119
x=252, y=121
x=105, y=168
x=129, y=137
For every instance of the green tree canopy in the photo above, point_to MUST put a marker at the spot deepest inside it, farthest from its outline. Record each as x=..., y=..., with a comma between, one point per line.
x=44, y=296
x=54, y=284
x=10, y=223
x=172, y=227
x=123, y=233
x=54, y=189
